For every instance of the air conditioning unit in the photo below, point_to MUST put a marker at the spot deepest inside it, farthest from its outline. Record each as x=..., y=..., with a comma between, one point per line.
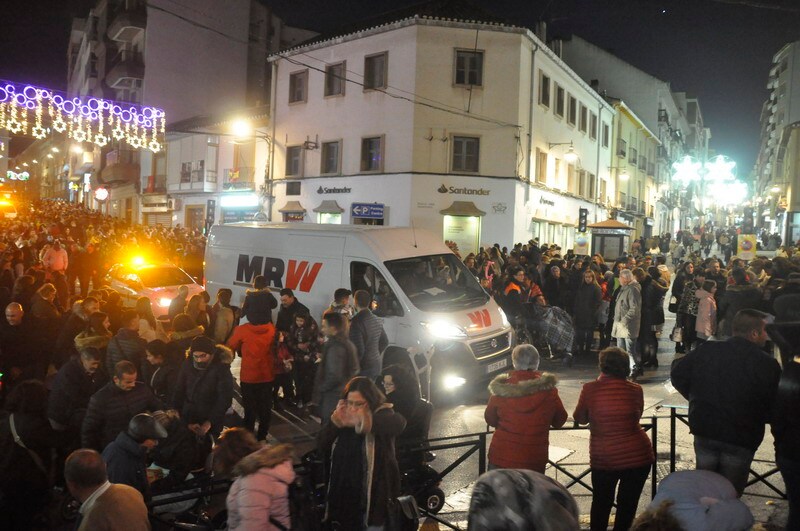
x=173, y=204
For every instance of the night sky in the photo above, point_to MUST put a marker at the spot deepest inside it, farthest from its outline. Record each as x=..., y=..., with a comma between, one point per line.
x=718, y=50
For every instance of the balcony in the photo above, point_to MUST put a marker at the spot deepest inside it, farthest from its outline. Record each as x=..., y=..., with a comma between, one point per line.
x=121, y=167
x=661, y=154
x=127, y=22
x=239, y=179
x=127, y=70
x=155, y=184
x=199, y=180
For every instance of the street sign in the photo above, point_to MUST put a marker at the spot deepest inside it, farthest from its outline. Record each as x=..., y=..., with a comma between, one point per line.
x=367, y=210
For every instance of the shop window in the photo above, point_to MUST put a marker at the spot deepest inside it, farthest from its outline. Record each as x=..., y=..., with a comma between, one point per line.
x=372, y=154
x=293, y=217
x=466, y=152
x=367, y=277
x=293, y=188
x=560, y=96
x=329, y=218
x=335, y=79
x=298, y=87
x=469, y=68
x=375, y=71
x=544, y=89
x=572, y=109
x=331, y=157
x=293, y=160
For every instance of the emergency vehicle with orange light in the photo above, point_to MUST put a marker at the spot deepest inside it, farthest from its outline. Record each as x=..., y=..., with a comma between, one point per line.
x=159, y=282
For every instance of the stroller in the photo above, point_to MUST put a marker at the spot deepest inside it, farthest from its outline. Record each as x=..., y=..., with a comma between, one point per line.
x=549, y=329
x=417, y=477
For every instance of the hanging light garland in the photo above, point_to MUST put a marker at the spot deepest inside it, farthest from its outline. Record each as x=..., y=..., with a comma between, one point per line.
x=38, y=112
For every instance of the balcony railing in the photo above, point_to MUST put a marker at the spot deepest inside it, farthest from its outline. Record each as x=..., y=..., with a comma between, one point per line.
x=209, y=176
x=235, y=179
x=127, y=69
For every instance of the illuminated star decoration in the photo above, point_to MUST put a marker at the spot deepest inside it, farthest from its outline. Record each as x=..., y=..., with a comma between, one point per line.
x=727, y=193
x=686, y=170
x=33, y=111
x=720, y=169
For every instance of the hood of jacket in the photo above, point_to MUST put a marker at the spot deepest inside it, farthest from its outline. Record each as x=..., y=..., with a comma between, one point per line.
x=126, y=443
x=267, y=457
x=702, y=294
x=224, y=355
x=196, y=331
x=742, y=289
x=510, y=385
x=84, y=340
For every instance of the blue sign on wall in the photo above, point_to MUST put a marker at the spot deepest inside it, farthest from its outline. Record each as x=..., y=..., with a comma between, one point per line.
x=367, y=210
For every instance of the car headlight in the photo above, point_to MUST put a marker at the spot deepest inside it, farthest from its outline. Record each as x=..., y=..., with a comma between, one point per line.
x=164, y=302
x=451, y=381
x=445, y=330
x=504, y=318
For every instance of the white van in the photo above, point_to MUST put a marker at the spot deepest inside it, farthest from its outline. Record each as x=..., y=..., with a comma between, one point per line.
x=434, y=311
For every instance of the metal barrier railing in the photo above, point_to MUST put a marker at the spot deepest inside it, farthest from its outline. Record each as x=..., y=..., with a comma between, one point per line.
x=680, y=413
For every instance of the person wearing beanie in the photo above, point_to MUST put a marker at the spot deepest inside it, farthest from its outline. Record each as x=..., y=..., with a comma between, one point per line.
x=520, y=500
x=126, y=456
x=204, y=388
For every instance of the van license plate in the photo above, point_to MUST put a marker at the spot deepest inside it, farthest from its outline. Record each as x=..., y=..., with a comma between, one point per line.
x=496, y=366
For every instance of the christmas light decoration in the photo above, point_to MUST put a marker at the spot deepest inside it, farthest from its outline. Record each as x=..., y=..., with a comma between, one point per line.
x=38, y=112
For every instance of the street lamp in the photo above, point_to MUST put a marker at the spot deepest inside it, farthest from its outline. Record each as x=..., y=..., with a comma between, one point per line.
x=570, y=156
x=242, y=130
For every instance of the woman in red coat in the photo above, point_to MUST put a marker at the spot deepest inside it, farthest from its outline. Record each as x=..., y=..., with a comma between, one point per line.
x=619, y=449
x=523, y=405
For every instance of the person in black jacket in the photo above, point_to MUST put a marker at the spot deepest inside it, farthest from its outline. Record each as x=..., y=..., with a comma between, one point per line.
x=654, y=289
x=738, y=296
x=204, y=390
x=177, y=305
x=555, y=288
x=586, y=304
x=19, y=349
x=126, y=344
x=160, y=369
x=731, y=386
x=180, y=453
x=368, y=336
x=112, y=407
x=73, y=386
x=126, y=456
x=289, y=308
x=76, y=323
x=786, y=431
x=259, y=302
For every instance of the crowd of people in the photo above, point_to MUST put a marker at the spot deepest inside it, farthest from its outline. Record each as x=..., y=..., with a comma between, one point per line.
x=118, y=407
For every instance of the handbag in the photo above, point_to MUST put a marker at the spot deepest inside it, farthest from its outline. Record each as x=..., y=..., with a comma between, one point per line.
x=673, y=304
x=677, y=334
x=402, y=514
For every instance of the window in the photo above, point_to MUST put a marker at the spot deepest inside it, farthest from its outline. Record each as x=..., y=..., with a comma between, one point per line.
x=335, y=79
x=582, y=183
x=606, y=134
x=330, y=157
x=466, y=151
x=544, y=89
x=469, y=67
x=603, y=192
x=590, y=185
x=293, y=159
x=572, y=185
x=186, y=172
x=560, y=95
x=375, y=75
x=633, y=157
x=583, y=124
x=365, y=276
x=622, y=148
x=572, y=110
x=541, y=166
x=593, y=126
x=293, y=188
x=298, y=87
x=372, y=154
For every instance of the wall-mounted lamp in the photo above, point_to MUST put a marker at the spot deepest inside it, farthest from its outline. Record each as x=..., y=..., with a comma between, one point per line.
x=570, y=156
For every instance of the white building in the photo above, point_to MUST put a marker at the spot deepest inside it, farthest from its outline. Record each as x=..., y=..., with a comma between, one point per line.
x=463, y=128
x=674, y=117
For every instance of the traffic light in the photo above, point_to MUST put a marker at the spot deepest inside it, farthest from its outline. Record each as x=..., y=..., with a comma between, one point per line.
x=583, y=216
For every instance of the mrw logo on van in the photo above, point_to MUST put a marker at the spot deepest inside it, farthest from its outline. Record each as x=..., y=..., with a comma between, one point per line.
x=298, y=274
x=481, y=318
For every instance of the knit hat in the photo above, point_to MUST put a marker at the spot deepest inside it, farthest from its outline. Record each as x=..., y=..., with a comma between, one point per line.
x=203, y=344
x=520, y=500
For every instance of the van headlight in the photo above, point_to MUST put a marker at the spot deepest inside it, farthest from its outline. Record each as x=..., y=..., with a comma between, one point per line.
x=504, y=318
x=164, y=302
x=452, y=382
x=445, y=330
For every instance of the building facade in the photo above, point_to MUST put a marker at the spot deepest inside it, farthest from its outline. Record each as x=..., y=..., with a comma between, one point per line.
x=475, y=131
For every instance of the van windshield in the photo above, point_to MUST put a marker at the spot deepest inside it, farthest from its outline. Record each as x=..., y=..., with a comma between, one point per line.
x=437, y=283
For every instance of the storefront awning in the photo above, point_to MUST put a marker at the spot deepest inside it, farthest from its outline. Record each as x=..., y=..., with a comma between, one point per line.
x=610, y=224
x=329, y=206
x=462, y=208
x=291, y=207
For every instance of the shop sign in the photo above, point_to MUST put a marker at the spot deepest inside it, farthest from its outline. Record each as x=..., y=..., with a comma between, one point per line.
x=334, y=190
x=367, y=210
x=465, y=231
x=747, y=246
x=462, y=191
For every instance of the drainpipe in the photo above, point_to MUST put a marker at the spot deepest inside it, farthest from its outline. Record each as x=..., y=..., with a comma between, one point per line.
x=269, y=167
x=531, y=103
x=599, y=139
